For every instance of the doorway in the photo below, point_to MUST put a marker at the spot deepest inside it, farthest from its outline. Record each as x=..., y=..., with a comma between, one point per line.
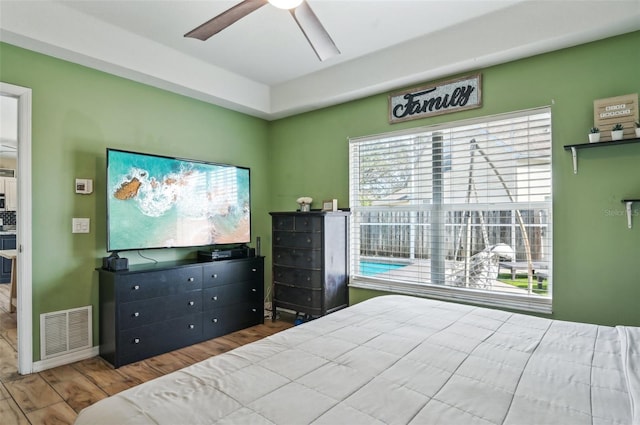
x=16, y=104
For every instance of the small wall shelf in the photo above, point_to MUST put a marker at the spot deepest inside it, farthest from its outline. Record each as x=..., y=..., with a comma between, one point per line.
x=629, y=203
x=574, y=148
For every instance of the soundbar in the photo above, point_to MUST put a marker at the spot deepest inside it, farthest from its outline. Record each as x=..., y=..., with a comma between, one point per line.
x=225, y=254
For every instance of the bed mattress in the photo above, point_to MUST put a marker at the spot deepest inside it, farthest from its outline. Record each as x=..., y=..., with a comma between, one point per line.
x=402, y=360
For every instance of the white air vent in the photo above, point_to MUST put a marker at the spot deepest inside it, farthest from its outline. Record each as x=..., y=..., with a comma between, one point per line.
x=66, y=331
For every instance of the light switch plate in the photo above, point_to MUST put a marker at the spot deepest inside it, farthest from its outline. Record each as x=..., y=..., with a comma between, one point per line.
x=80, y=225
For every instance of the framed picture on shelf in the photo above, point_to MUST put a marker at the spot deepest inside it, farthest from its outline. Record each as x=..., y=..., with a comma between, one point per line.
x=330, y=205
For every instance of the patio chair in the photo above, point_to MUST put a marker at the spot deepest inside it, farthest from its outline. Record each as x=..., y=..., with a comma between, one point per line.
x=483, y=267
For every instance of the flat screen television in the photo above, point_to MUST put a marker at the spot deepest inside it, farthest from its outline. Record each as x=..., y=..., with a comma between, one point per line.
x=157, y=201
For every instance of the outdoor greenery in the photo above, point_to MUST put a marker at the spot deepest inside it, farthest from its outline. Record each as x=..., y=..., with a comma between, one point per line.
x=522, y=282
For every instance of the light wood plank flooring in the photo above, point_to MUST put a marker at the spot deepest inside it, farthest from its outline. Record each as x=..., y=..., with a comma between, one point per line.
x=55, y=396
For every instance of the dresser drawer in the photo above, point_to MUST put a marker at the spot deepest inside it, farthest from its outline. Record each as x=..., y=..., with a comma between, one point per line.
x=138, y=286
x=283, y=222
x=224, y=295
x=305, y=278
x=294, y=297
x=305, y=258
x=297, y=240
x=221, y=321
x=298, y=223
x=225, y=272
x=139, y=313
x=150, y=340
x=309, y=223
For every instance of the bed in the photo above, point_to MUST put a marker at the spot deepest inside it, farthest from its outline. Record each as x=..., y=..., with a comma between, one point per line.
x=402, y=360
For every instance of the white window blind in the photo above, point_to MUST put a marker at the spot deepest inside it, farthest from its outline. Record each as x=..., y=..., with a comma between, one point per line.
x=456, y=211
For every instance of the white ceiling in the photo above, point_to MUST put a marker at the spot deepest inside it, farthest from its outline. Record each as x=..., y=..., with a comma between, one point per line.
x=262, y=64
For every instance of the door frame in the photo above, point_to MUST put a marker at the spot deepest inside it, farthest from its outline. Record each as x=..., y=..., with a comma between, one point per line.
x=24, y=221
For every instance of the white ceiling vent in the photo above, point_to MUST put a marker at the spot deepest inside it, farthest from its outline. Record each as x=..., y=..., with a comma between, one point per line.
x=66, y=331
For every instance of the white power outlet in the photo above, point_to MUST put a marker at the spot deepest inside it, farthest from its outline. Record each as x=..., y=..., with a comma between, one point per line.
x=80, y=225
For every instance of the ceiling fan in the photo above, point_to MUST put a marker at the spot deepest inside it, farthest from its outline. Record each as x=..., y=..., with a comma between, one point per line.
x=316, y=35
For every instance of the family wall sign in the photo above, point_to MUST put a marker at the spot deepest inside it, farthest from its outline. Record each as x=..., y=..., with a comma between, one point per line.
x=436, y=99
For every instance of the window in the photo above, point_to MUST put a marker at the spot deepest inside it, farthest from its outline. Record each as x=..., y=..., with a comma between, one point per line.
x=457, y=211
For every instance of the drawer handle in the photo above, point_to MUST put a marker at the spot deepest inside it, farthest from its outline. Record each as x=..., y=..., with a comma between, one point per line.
x=254, y=270
x=214, y=298
x=191, y=303
x=215, y=275
x=136, y=287
x=136, y=340
x=308, y=240
x=190, y=279
x=253, y=289
x=191, y=326
x=254, y=310
x=136, y=314
x=214, y=320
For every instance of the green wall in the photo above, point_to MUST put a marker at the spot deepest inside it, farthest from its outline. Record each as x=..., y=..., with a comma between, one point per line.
x=596, y=258
x=79, y=112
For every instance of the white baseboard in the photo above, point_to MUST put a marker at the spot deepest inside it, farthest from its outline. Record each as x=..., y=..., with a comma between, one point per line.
x=65, y=359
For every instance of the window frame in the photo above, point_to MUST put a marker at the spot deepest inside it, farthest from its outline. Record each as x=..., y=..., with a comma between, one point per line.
x=514, y=301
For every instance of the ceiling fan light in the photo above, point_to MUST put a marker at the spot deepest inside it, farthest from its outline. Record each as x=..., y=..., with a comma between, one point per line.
x=285, y=4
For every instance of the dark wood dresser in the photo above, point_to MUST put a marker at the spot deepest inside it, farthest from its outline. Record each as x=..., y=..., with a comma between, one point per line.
x=310, y=261
x=151, y=309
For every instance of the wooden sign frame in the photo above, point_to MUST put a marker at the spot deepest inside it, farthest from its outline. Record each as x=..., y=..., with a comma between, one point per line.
x=612, y=110
x=436, y=99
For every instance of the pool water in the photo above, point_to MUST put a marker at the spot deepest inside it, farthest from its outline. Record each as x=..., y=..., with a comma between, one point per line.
x=370, y=268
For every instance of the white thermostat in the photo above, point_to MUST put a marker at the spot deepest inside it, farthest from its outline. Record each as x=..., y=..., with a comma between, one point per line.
x=84, y=186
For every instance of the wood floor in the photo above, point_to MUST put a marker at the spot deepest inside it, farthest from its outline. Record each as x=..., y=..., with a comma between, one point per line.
x=55, y=396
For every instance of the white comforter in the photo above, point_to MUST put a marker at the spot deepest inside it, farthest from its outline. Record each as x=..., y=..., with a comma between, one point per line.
x=397, y=360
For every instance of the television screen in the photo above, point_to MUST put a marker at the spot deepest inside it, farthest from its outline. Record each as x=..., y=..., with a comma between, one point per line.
x=161, y=202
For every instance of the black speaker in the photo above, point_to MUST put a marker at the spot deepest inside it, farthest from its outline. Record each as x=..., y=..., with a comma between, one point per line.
x=118, y=264
x=115, y=263
x=258, y=246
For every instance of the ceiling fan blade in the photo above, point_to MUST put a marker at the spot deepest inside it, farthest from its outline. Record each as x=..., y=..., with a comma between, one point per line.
x=315, y=33
x=226, y=18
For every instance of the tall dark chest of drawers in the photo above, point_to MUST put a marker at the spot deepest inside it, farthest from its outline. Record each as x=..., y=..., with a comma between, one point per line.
x=152, y=309
x=310, y=261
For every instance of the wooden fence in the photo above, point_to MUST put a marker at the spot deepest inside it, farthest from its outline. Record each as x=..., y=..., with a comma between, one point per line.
x=407, y=234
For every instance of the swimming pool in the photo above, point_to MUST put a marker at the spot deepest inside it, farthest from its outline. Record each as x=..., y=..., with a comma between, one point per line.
x=370, y=268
